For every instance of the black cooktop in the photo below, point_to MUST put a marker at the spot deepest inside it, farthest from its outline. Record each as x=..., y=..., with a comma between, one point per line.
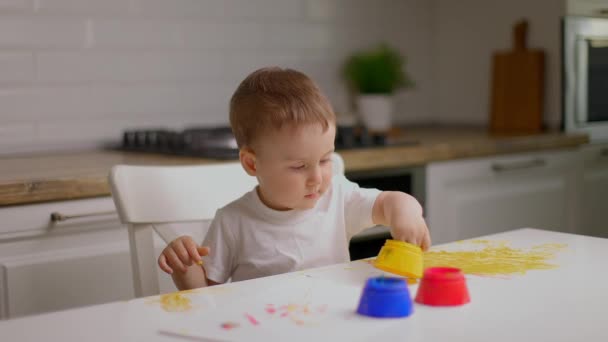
x=219, y=142
x=208, y=142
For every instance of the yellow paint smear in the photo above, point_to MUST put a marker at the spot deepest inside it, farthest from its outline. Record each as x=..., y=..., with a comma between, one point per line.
x=175, y=302
x=180, y=302
x=495, y=258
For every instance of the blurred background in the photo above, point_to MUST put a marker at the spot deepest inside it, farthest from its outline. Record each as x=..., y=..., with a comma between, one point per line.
x=75, y=74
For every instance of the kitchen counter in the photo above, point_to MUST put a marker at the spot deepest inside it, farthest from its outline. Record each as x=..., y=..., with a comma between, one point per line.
x=65, y=176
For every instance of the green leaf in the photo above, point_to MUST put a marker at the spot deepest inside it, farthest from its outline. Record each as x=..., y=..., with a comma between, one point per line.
x=376, y=71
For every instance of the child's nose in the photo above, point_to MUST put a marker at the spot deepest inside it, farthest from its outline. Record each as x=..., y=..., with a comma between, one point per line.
x=315, y=176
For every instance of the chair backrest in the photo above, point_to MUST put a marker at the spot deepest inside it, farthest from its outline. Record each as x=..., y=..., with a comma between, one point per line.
x=148, y=198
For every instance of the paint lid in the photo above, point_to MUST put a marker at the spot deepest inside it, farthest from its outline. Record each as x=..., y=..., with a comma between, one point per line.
x=385, y=297
x=443, y=286
x=400, y=258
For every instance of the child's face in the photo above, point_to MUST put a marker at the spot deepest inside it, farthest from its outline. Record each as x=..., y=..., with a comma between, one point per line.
x=293, y=166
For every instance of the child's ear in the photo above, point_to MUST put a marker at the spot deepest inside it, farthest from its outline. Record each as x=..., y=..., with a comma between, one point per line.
x=247, y=158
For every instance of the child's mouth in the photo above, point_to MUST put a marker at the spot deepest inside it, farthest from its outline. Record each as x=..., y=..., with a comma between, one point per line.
x=312, y=196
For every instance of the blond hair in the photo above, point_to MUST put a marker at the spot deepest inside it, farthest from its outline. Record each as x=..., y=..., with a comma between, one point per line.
x=274, y=97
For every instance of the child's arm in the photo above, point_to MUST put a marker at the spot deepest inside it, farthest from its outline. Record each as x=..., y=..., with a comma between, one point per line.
x=403, y=214
x=182, y=260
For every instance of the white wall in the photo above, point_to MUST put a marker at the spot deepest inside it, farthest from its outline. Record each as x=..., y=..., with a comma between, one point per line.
x=467, y=32
x=75, y=73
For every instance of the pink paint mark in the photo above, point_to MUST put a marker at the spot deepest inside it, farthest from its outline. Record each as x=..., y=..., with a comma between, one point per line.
x=284, y=314
x=306, y=309
x=229, y=325
x=271, y=309
x=252, y=319
x=322, y=308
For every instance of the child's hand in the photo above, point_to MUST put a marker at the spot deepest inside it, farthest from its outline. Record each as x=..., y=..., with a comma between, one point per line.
x=412, y=230
x=403, y=214
x=181, y=253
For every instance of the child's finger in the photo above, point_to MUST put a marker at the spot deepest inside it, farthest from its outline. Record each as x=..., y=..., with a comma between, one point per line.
x=426, y=241
x=191, y=247
x=181, y=252
x=202, y=251
x=162, y=263
x=174, y=260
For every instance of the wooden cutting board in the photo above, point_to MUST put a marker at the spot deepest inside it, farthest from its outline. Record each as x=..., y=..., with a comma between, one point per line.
x=517, y=87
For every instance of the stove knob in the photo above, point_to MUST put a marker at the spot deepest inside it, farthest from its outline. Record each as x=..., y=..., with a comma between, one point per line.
x=151, y=139
x=175, y=142
x=140, y=139
x=379, y=139
x=128, y=139
x=163, y=140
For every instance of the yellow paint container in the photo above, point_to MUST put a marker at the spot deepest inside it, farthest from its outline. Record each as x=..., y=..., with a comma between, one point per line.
x=400, y=258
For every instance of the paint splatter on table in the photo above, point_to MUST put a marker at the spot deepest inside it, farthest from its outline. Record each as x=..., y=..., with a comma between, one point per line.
x=495, y=258
x=299, y=314
x=175, y=302
x=229, y=325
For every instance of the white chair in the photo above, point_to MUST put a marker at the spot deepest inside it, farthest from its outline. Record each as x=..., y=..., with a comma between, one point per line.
x=337, y=164
x=148, y=198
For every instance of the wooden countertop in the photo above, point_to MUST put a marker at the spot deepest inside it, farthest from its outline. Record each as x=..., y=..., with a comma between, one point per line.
x=65, y=176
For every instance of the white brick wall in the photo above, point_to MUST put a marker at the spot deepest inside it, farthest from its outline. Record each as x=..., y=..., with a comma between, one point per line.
x=6, y=5
x=16, y=67
x=462, y=54
x=75, y=73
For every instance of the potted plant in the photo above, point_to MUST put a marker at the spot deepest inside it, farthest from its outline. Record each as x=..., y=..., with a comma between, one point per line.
x=374, y=75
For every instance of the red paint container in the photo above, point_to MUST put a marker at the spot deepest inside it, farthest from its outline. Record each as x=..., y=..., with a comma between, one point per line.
x=443, y=286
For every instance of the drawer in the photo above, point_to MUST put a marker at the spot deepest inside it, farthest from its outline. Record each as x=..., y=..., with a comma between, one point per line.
x=35, y=219
x=519, y=165
x=64, y=279
x=591, y=8
x=595, y=155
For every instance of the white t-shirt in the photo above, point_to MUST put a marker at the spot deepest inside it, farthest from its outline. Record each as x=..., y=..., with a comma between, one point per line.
x=249, y=240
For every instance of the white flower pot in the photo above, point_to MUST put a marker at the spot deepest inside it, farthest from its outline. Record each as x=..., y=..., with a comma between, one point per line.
x=376, y=111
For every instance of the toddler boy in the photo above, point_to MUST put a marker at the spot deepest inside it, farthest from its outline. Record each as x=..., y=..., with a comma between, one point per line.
x=300, y=215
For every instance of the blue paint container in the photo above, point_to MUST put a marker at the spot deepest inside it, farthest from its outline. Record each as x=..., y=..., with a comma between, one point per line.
x=385, y=297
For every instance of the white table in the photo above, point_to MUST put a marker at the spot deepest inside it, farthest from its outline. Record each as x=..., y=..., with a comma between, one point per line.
x=568, y=303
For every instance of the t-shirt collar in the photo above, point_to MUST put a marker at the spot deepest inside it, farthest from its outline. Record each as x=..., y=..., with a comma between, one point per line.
x=292, y=216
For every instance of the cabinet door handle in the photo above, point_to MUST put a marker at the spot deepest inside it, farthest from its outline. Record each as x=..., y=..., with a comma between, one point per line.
x=58, y=217
x=604, y=152
x=520, y=165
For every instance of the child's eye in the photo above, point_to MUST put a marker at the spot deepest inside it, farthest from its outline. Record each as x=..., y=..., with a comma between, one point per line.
x=298, y=167
x=325, y=161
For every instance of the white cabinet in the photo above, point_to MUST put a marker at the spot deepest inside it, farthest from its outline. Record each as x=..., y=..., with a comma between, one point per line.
x=594, y=208
x=591, y=8
x=62, y=279
x=474, y=197
x=46, y=266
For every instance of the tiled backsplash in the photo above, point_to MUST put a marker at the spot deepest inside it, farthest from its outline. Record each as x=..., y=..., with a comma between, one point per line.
x=75, y=73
